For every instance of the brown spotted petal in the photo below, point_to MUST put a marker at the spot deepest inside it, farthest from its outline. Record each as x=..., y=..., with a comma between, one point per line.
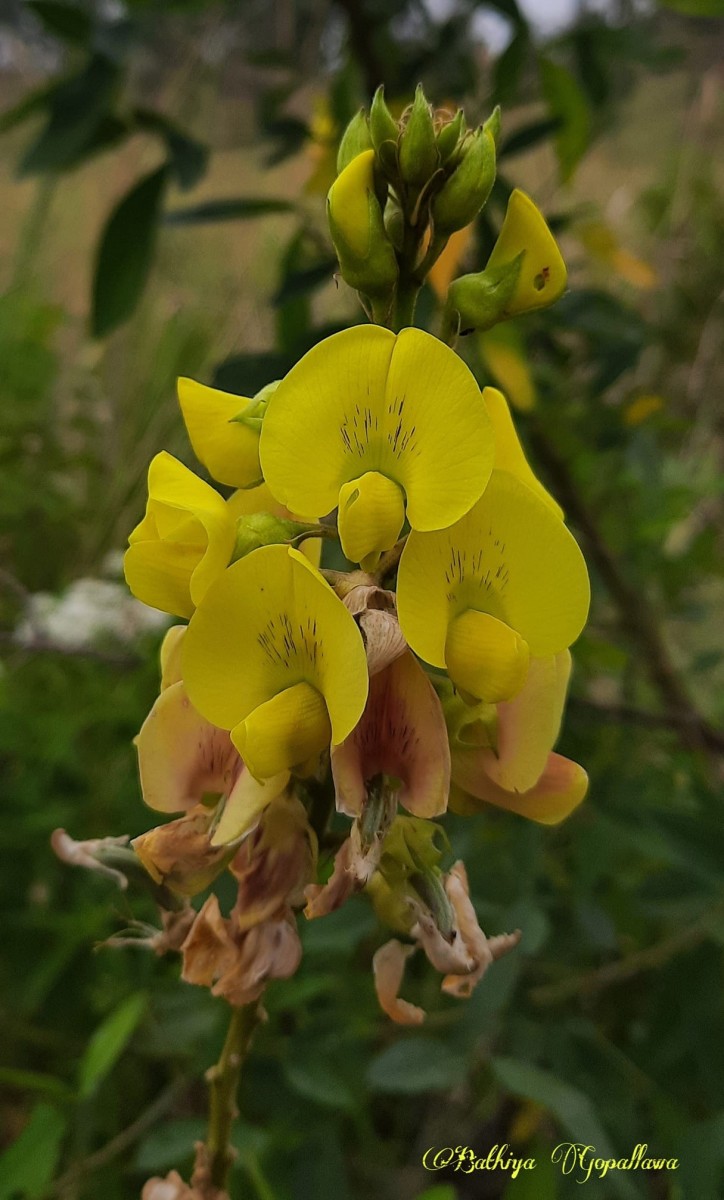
x=365, y=596
x=275, y=863
x=270, y=950
x=181, y=855
x=388, y=966
x=323, y=899
x=401, y=734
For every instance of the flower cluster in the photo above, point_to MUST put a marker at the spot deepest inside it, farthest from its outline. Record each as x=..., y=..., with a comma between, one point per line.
x=431, y=673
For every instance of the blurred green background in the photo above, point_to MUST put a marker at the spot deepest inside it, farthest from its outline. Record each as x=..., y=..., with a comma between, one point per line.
x=162, y=173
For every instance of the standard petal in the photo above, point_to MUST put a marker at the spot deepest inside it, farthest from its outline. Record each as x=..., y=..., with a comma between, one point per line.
x=543, y=272
x=401, y=734
x=228, y=449
x=270, y=622
x=511, y=557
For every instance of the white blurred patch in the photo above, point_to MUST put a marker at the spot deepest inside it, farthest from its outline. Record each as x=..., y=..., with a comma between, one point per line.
x=88, y=612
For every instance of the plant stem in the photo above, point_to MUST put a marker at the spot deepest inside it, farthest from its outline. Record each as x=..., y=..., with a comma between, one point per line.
x=403, y=312
x=223, y=1081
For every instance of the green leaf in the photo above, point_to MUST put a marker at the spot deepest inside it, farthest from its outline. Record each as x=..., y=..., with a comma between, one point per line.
x=28, y=1166
x=169, y=1145
x=313, y=1076
x=529, y=135
x=571, y=1107
x=442, y=1191
x=188, y=157
x=34, y=1081
x=569, y=106
x=108, y=1043
x=302, y=282
x=125, y=253
x=416, y=1064
x=77, y=107
x=67, y=21
x=241, y=209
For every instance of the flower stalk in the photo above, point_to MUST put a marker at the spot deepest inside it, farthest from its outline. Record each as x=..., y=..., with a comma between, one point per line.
x=223, y=1080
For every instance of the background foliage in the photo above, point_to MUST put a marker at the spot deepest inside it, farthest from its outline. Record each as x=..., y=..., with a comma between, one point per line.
x=162, y=173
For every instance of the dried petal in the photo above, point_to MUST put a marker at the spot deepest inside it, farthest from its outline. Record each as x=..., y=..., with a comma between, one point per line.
x=388, y=966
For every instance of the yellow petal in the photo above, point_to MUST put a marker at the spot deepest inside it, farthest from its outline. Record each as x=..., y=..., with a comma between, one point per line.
x=170, y=656
x=485, y=658
x=509, y=454
x=511, y=557
x=560, y=789
x=405, y=406
x=184, y=541
x=528, y=725
x=246, y=802
x=285, y=732
x=371, y=516
x=349, y=205
x=543, y=272
x=270, y=622
x=228, y=449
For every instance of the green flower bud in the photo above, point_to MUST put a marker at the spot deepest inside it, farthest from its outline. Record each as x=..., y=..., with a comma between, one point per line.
x=450, y=135
x=481, y=300
x=463, y=195
x=355, y=139
x=366, y=256
x=418, y=153
x=264, y=529
x=383, y=126
x=387, y=159
x=493, y=124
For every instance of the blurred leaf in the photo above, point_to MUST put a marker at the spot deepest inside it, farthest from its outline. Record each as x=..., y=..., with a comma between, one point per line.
x=416, y=1064
x=227, y=210
x=28, y=1166
x=572, y=1108
x=528, y=136
x=125, y=253
x=316, y=1078
x=569, y=107
x=30, y=104
x=68, y=21
x=77, y=106
x=509, y=66
x=188, y=158
x=701, y=1154
x=108, y=1043
x=320, y=1169
x=696, y=8
x=34, y=1081
x=169, y=1144
x=302, y=282
x=442, y=1191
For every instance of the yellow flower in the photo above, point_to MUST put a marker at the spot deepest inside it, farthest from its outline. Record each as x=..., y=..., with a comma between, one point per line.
x=509, y=454
x=542, y=277
x=506, y=582
x=274, y=656
x=366, y=256
x=224, y=432
x=183, y=542
x=382, y=425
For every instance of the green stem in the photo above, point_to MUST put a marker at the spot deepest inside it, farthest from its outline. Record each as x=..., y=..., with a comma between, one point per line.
x=223, y=1081
x=403, y=312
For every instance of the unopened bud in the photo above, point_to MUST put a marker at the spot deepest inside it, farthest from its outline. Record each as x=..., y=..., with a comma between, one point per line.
x=463, y=195
x=493, y=124
x=355, y=139
x=542, y=277
x=382, y=125
x=481, y=300
x=264, y=529
x=418, y=153
x=450, y=135
x=366, y=256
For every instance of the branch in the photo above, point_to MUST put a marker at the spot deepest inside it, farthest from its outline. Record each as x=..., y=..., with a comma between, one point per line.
x=223, y=1080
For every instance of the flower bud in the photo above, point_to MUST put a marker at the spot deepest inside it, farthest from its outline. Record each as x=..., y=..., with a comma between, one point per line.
x=382, y=125
x=493, y=125
x=366, y=257
x=463, y=195
x=479, y=301
x=418, y=152
x=355, y=139
x=542, y=277
x=264, y=529
x=450, y=135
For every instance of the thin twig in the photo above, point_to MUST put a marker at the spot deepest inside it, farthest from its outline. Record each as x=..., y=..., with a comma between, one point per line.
x=389, y=561
x=223, y=1080
x=589, y=982
x=119, y=1143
